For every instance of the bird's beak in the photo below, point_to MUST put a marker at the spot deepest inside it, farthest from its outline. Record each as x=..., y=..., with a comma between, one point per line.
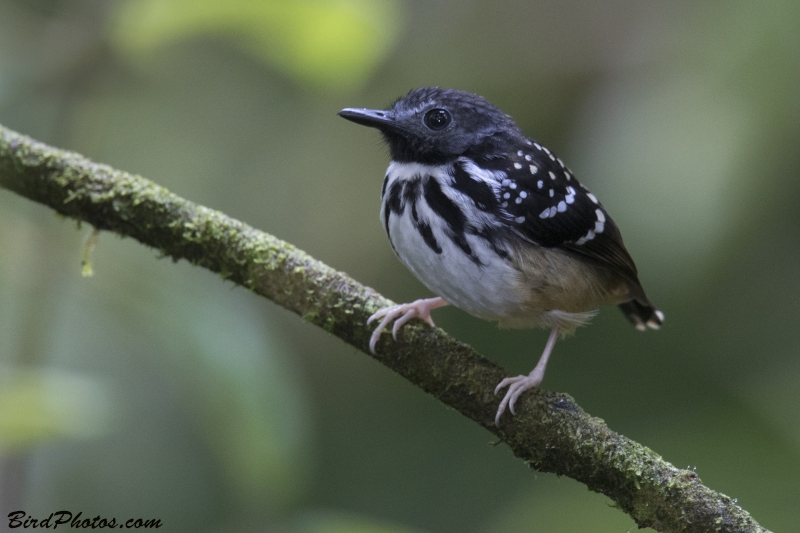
x=374, y=118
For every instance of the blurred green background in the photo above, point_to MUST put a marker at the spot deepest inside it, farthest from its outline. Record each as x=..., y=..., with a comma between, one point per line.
x=156, y=390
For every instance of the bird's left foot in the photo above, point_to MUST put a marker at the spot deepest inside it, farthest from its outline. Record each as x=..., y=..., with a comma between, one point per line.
x=519, y=384
x=516, y=386
x=401, y=314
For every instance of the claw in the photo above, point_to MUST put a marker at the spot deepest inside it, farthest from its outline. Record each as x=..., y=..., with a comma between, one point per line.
x=401, y=314
x=516, y=386
x=379, y=313
x=411, y=313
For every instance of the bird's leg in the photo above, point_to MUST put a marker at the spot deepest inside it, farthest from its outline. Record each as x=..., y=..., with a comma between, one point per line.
x=401, y=314
x=519, y=384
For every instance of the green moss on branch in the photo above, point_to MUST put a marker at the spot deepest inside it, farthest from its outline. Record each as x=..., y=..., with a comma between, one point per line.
x=551, y=433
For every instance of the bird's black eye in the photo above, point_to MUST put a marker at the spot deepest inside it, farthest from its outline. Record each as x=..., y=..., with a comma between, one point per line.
x=437, y=119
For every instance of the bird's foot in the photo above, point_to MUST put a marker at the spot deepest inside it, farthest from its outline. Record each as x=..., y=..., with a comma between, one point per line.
x=516, y=386
x=519, y=384
x=401, y=314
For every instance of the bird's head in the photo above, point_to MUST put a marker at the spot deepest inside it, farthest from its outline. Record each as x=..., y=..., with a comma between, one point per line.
x=432, y=125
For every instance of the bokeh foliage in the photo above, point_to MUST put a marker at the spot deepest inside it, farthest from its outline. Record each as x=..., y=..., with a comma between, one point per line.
x=154, y=390
x=325, y=43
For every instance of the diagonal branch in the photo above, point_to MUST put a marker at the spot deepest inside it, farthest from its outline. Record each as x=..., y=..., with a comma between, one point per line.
x=551, y=433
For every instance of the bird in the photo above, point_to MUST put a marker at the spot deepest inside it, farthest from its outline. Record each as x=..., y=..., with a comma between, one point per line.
x=494, y=223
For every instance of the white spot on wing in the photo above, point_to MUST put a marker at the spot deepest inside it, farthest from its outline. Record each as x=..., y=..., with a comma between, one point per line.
x=512, y=185
x=562, y=206
x=528, y=157
x=600, y=216
x=507, y=195
x=518, y=200
x=552, y=176
x=523, y=194
x=591, y=197
x=552, y=193
x=540, y=184
x=534, y=169
x=519, y=220
x=588, y=237
x=519, y=153
x=517, y=166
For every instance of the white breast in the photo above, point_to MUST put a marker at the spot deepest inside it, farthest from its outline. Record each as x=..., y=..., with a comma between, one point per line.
x=491, y=290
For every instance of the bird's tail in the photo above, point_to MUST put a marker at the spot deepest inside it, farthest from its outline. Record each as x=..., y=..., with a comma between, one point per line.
x=643, y=315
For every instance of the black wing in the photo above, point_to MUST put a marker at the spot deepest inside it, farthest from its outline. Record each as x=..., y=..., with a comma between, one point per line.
x=546, y=205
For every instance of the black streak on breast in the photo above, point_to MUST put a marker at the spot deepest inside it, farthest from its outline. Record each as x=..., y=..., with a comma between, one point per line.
x=411, y=196
x=393, y=204
x=451, y=214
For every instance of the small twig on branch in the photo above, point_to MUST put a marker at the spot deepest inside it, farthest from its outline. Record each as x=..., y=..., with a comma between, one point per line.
x=550, y=432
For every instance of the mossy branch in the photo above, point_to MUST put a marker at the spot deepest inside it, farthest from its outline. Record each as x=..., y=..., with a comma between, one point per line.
x=550, y=432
